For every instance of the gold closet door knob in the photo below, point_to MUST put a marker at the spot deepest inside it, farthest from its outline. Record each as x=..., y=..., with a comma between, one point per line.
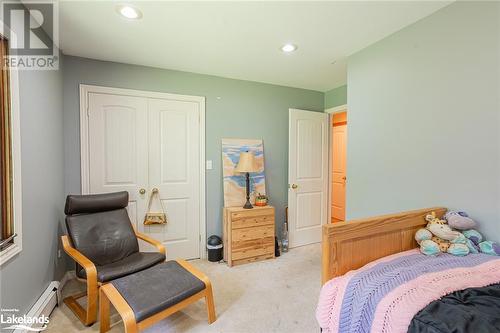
x=294, y=186
x=142, y=191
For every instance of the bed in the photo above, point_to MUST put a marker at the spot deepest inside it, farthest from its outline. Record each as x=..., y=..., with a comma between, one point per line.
x=375, y=280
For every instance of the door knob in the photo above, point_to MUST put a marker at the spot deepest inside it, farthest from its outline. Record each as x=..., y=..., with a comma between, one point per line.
x=142, y=191
x=294, y=186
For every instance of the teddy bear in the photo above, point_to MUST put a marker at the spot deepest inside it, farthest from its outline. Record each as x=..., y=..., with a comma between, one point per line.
x=439, y=237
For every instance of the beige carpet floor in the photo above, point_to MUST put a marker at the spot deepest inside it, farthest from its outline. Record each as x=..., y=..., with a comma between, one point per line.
x=277, y=295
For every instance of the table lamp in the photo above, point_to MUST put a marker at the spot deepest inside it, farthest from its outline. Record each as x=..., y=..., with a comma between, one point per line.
x=247, y=164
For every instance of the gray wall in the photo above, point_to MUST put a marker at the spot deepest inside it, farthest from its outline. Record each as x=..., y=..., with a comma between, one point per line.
x=424, y=118
x=24, y=277
x=245, y=110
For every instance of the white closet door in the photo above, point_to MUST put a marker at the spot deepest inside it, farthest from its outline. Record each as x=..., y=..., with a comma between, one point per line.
x=174, y=169
x=117, y=149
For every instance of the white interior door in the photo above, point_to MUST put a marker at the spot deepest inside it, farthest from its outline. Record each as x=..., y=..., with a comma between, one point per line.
x=174, y=169
x=307, y=176
x=144, y=141
x=117, y=154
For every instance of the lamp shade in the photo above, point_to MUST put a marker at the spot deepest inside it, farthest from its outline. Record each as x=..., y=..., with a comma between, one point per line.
x=246, y=163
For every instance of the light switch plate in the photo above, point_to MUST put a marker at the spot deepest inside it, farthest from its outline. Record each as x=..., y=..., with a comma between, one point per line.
x=209, y=165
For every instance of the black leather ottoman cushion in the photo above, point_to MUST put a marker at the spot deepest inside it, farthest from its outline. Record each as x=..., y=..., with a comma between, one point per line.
x=128, y=265
x=157, y=288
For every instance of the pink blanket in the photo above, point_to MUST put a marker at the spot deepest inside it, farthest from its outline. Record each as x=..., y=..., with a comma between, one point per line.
x=386, y=294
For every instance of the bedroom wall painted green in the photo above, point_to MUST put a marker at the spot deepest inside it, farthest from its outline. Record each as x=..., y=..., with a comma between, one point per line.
x=424, y=117
x=336, y=97
x=245, y=110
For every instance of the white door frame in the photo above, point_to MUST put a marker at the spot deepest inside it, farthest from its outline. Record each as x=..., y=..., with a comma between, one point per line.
x=331, y=112
x=84, y=140
x=337, y=109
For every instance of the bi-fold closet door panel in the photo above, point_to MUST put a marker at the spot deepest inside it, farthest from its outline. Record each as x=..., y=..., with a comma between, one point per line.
x=140, y=143
x=117, y=154
x=174, y=169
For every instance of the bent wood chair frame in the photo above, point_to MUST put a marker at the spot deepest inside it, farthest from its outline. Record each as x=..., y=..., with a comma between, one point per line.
x=109, y=294
x=88, y=316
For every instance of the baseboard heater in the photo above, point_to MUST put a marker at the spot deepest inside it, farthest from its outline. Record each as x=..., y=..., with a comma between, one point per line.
x=45, y=304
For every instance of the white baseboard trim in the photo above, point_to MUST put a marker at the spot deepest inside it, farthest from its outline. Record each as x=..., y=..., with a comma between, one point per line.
x=49, y=299
x=44, y=305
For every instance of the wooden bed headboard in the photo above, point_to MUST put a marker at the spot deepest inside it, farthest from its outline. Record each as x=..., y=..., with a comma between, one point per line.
x=352, y=244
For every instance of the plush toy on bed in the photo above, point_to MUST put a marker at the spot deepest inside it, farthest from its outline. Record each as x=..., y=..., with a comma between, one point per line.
x=461, y=221
x=438, y=237
x=475, y=242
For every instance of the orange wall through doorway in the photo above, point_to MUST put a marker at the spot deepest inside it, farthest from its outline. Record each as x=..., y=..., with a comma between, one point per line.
x=339, y=156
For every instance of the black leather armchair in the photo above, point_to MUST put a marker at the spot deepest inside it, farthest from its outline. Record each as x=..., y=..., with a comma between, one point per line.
x=104, y=245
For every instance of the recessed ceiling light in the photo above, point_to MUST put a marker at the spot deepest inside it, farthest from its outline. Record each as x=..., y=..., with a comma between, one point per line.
x=129, y=12
x=287, y=48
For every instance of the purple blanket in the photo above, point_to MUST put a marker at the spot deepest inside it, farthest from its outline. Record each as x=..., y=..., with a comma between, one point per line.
x=363, y=300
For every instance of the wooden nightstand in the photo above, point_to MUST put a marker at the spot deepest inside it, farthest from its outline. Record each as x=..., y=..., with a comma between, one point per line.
x=248, y=234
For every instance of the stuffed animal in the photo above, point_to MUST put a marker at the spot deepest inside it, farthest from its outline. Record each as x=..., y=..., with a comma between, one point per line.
x=476, y=243
x=459, y=220
x=427, y=245
x=473, y=240
x=489, y=247
x=439, y=237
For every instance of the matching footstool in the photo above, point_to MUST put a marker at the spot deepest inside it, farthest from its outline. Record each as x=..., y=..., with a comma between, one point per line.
x=146, y=297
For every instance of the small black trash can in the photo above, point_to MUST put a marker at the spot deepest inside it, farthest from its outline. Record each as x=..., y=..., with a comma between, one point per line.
x=214, y=247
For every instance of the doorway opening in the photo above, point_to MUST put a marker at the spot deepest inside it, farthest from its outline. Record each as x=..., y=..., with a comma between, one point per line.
x=338, y=153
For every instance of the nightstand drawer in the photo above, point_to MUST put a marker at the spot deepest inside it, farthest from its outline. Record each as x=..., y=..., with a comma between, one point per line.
x=249, y=213
x=252, y=248
x=255, y=221
x=245, y=234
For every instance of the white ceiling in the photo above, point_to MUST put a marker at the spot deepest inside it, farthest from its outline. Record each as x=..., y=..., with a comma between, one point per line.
x=239, y=40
